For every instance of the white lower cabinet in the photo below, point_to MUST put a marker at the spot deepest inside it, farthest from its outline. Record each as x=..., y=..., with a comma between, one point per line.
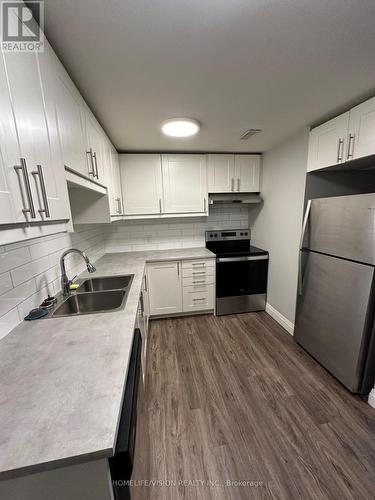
x=198, y=297
x=180, y=287
x=164, y=285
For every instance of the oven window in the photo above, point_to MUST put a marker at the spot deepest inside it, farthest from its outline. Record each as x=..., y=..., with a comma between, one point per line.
x=241, y=278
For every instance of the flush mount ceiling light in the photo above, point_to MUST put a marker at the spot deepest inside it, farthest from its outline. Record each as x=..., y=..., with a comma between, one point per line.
x=180, y=127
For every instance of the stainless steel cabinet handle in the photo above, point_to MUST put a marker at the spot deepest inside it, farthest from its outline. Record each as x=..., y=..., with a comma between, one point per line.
x=146, y=290
x=30, y=209
x=178, y=269
x=201, y=298
x=118, y=200
x=159, y=205
x=204, y=205
x=340, y=150
x=199, y=281
x=39, y=173
x=142, y=304
x=200, y=264
x=304, y=226
x=238, y=184
x=232, y=187
x=201, y=272
x=91, y=172
x=96, y=165
x=349, y=156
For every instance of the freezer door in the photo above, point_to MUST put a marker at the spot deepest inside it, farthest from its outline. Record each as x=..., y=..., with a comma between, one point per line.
x=343, y=226
x=334, y=315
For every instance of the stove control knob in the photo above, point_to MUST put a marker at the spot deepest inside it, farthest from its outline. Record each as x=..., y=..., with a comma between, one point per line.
x=246, y=234
x=215, y=235
x=241, y=234
x=211, y=235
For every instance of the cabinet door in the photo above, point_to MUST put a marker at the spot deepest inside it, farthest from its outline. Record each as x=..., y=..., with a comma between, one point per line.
x=32, y=100
x=11, y=202
x=71, y=124
x=327, y=143
x=184, y=183
x=362, y=130
x=141, y=184
x=54, y=179
x=114, y=184
x=165, y=290
x=220, y=173
x=247, y=173
x=96, y=145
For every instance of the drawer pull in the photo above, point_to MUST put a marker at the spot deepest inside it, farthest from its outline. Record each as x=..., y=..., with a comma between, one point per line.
x=201, y=272
x=201, y=298
x=199, y=281
x=200, y=264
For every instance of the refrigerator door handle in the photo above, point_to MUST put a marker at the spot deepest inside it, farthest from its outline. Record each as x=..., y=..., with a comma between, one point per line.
x=304, y=226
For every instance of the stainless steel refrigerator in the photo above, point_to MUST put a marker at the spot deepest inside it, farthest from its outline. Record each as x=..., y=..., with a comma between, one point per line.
x=336, y=288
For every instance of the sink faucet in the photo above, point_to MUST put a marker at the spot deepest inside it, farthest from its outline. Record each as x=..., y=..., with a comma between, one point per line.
x=65, y=281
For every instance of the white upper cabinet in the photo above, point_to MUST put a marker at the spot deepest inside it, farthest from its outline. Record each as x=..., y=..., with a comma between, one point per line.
x=52, y=175
x=184, y=183
x=71, y=124
x=11, y=202
x=247, y=173
x=114, y=186
x=328, y=143
x=95, y=142
x=141, y=184
x=233, y=173
x=40, y=176
x=362, y=130
x=220, y=173
x=345, y=138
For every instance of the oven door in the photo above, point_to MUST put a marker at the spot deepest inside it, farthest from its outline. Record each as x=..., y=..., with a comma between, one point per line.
x=241, y=284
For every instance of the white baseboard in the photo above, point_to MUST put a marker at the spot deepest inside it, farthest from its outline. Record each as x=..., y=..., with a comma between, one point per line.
x=371, y=398
x=282, y=320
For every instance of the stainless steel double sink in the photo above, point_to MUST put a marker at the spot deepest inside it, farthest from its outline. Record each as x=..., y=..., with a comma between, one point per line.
x=96, y=295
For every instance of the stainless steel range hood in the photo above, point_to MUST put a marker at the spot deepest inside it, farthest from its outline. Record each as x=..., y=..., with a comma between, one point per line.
x=244, y=198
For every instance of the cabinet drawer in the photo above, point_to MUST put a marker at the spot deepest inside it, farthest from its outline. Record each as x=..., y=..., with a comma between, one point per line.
x=198, y=280
x=198, y=272
x=198, y=264
x=198, y=298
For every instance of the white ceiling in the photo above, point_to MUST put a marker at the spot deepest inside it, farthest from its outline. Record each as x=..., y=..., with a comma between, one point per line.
x=279, y=65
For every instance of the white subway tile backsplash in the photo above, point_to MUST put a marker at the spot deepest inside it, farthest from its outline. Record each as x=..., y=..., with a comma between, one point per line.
x=30, y=270
x=5, y=283
x=134, y=235
x=14, y=258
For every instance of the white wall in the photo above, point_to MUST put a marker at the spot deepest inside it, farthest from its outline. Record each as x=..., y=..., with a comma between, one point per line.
x=187, y=232
x=29, y=270
x=277, y=225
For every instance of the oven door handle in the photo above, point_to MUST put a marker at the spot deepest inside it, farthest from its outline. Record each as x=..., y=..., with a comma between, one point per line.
x=241, y=259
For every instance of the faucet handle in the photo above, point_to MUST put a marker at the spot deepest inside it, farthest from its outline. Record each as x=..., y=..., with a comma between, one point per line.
x=73, y=279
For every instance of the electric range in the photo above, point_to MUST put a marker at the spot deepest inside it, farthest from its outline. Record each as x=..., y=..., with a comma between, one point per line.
x=241, y=271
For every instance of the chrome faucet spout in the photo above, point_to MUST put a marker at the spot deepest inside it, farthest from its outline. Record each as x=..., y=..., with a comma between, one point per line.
x=65, y=281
